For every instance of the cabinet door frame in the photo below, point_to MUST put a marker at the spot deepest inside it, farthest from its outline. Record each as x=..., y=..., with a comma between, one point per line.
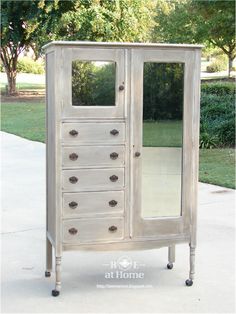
x=184, y=224
x=92, y=54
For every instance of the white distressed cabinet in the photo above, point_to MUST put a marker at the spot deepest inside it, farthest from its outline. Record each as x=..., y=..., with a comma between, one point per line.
x=122, y=148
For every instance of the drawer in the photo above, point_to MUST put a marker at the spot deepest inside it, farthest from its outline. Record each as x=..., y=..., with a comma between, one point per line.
x=77, y=133
x=93, y=179
x=93, y=203
x=80, y=156
x=92, y=230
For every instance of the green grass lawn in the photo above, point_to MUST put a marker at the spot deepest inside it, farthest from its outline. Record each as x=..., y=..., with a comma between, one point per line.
x=162, y=134
x=24, y=119
x=217, y=166
x=23, y=86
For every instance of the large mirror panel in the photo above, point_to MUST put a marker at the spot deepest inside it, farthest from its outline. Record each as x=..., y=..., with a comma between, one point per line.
x=163, y=88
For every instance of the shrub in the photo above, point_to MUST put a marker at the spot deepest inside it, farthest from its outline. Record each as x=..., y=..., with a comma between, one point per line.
x=218, y=88
x=208, y=141
x=217, y=66
x=217, y=124
x=27, y=65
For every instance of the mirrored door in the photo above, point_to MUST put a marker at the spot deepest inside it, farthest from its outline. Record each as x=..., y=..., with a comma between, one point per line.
x=162, y=106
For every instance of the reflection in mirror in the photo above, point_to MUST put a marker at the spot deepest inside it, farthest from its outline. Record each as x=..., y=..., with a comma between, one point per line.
x=93, y=83
x=163, y=86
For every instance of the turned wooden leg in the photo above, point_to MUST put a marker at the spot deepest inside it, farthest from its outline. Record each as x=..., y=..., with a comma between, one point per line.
x=189, y=282
x=57, y=289
x=48, y=258
x=171, y=256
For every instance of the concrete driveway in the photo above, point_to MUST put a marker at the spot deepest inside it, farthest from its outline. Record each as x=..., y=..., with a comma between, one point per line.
x=84, y=286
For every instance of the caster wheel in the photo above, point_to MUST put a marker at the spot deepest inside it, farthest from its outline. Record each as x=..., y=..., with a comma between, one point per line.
x=170, y=265
x=55, y=293
x=189, y=282
x=47, y=274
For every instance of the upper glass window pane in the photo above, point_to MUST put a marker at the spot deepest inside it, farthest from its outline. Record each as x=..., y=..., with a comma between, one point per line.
x=93, y=83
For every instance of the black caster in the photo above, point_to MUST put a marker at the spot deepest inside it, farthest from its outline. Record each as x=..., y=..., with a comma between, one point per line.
x=189, y=282
x=47, y=274
x=170, y=265
x=55, y=293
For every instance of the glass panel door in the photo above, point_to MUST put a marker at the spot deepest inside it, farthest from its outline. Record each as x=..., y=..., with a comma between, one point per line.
x=161, y=131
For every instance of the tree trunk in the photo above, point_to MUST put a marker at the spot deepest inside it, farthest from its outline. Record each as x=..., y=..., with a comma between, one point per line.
x=230, y=65
x=11, y=79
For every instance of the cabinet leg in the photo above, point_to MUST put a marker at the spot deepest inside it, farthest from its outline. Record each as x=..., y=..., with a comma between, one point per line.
x=189, y=282
x=57, y=289
x=171, y=256
x=48, y=258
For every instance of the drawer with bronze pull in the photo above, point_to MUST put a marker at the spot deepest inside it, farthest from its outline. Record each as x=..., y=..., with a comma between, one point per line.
x=93, y=179
x=91, y=132
x=92, y=230
x=83, y=156
x=93, y=203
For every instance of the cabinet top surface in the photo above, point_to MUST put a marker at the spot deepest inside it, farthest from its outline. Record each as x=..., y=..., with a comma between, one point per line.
x=70, y=44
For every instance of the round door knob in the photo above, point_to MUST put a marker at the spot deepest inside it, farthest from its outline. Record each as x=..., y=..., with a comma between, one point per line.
x=74, y=133
x=113, y=178
x=73, y=204
x=73, y=156
x=73, y=180
x=137, y=154
x=114, y=155
x=73, y=231
x=114, y=132
x=112, y=203
x=112, y=228
x=121, y=87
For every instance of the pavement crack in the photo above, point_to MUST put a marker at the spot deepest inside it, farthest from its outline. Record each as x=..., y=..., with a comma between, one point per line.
x=25, y=230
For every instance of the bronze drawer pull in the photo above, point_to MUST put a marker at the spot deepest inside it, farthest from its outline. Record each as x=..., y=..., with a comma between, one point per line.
x=113, y=178
x=73, y=204
x=73, y=231
x=73, y=156
x=74, y=132
x=113, y=203
x=112, y=229
x=114, y=132
x=114, y=155
x=121, y=87
x=73, y=180
x=137, y=154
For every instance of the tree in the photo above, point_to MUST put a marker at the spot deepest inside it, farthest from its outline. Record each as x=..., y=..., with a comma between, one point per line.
x=22, y=24
x=191, y=21
x=108, y=20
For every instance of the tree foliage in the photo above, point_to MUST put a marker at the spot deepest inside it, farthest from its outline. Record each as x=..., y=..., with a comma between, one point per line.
x=190, y=21
x=23, y=23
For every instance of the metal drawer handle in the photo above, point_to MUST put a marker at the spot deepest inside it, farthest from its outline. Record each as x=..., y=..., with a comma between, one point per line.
x=113, y=178
x=73, y=204
x=113, y=203
x=73, y=180
x=114, y=155
x=112, y=229
x=74, y=132
x=73, y=231
x=73, y=156
x=114, y=132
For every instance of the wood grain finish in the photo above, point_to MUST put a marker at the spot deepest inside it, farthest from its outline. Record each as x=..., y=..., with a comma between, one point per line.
x=94, y=156
x=92, y=230
x=93, y=133
x=93, y=179
x=93, y=204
